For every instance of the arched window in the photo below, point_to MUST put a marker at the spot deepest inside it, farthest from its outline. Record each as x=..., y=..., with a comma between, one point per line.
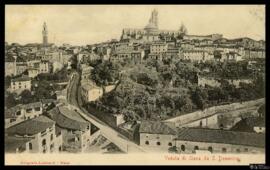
x=196, y=148
x=30, y=146
x=43, y=142
x=210, y=149
x=224, y=150
x=147, y=142
x=221, y=126
x=169, y=144
x=183, y=148
x=158, y=143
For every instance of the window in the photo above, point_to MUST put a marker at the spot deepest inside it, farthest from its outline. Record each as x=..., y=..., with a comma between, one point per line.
x=158, y=143
x=12, y=120
x=183, y=148
x=210, y=149
x=37, y=108
x=43, y=142
x=28, y=110
x=246, y=149
x=196, y=148
x=51, y=137
x=30, y=146
x=147, y=142
x=238, y=150
x=221, y=126
x=18, y=113
x=51, y=147
x=169, y=144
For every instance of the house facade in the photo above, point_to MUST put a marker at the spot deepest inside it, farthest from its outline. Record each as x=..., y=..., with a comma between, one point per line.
x=39, y=134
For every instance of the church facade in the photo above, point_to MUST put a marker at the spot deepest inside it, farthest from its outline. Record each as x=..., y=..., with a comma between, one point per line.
x=150, y=32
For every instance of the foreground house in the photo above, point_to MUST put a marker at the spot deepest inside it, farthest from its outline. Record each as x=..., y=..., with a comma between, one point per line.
x=75, y=130
x=21, y=113
x=36, y=135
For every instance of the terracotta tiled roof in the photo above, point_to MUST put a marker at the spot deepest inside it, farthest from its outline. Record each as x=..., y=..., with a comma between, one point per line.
x=156, y=127
x=32, y=126
x=221, y=136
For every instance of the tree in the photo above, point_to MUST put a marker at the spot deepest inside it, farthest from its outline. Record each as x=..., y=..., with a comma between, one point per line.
x=10, y=100
x=26, y=97
x=105, y=72
x=7, y=81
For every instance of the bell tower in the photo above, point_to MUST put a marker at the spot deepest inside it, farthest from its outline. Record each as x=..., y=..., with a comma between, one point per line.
x=45, y=34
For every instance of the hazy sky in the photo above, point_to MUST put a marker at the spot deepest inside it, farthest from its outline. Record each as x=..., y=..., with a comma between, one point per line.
x=86, y=24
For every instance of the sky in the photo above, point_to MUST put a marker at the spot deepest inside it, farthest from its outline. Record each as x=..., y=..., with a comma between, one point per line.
x=88, y=24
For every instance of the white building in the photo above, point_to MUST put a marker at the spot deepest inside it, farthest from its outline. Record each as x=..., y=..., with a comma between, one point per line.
x=17, y=85
x=44, y=67
x=32, y=72
x=57, y=66
x=21, y=113
x=158, y=47
x=91, y=92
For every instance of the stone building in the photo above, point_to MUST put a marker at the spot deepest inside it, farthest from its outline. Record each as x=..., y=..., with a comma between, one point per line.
x=20, y=84
x=190, y=140
x=91, y=92
x=157, y=135
x=36, y=135
x=21, y=113
x=75, y=130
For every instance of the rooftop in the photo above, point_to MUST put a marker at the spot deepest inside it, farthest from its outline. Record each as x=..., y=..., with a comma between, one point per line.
x=221, y=136
x=157, y=127
x=32, y=126
x=69, y=119
x=24, y=78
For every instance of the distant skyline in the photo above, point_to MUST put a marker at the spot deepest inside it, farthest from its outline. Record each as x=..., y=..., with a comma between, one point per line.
x=89, y=24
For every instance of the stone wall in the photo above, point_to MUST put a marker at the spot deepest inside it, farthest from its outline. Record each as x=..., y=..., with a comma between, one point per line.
x=200, y=114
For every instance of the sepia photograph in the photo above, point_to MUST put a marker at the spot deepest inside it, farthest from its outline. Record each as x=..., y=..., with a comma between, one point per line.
x=134, y=84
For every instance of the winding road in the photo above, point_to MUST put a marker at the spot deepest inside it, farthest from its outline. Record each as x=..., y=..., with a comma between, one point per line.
x=74, y=100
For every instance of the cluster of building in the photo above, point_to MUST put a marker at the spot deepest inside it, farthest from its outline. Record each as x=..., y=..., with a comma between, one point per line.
x=151, y=42
x=30, y=60
x=34, y=128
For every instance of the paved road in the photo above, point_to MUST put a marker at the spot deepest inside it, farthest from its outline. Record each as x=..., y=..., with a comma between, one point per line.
x=108, y=132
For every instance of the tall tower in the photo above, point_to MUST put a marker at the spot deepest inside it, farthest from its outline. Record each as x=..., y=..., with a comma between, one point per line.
x=155, y=17
x=45, y=34
x=152, y=25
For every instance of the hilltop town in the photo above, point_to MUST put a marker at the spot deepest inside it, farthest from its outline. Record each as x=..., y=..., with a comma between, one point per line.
x=152, y=90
